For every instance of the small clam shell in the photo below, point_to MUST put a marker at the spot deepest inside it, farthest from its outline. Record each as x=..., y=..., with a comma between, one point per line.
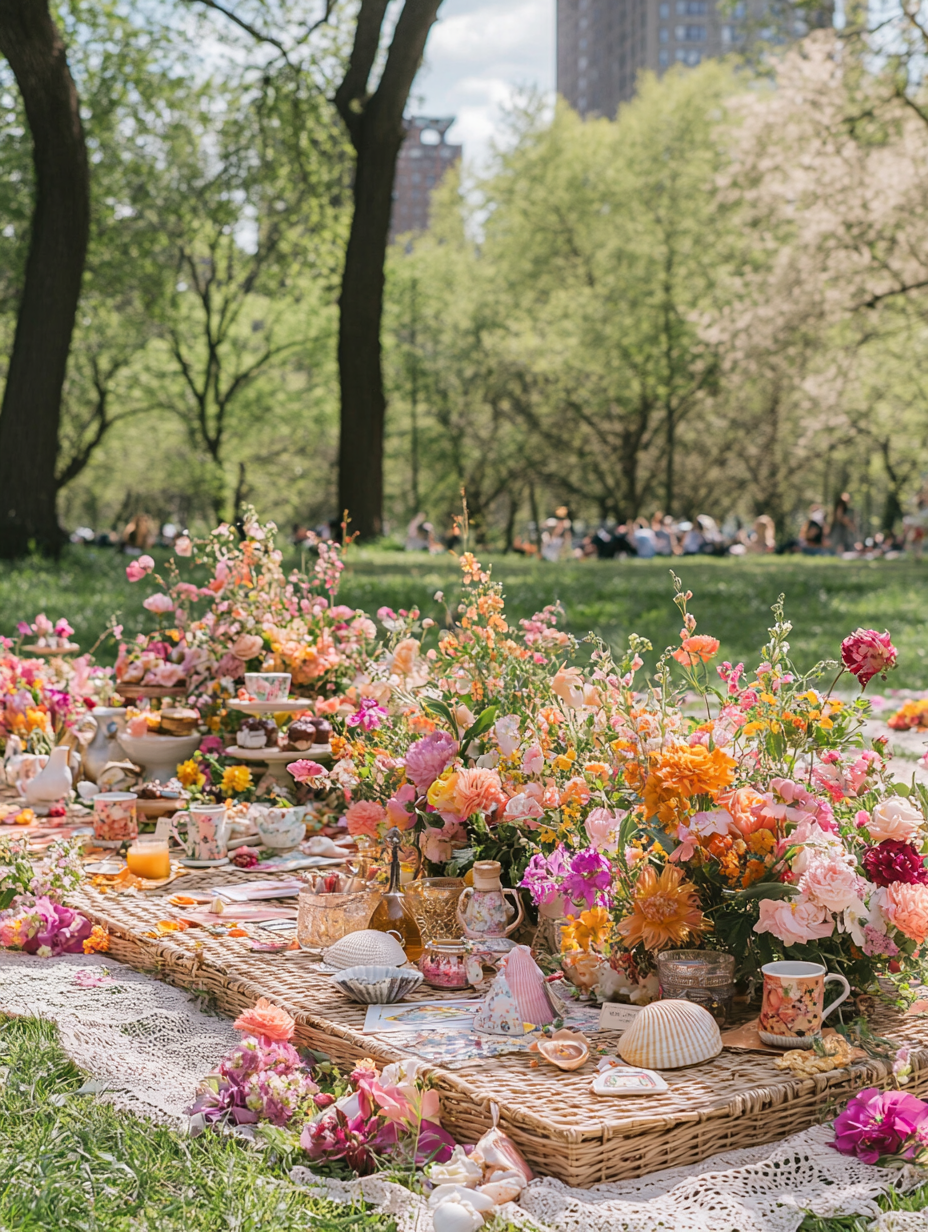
x=502, y=1191
x=366, y=947
x=669, y=1035
x=376, y=985
x=565, y=1049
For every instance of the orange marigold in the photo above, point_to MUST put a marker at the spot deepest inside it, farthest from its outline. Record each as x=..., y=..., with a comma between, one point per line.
x=696, y=649
x=665, y=910
x=679, y=774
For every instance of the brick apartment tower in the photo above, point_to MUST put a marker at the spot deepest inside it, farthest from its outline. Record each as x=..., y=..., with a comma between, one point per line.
x=602, y=45
x=424, y=158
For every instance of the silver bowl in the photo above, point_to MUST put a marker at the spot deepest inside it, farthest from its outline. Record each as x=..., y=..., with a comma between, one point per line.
x=377, y=985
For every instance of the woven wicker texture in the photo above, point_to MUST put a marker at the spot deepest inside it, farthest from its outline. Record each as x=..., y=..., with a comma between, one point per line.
x=736, y=1100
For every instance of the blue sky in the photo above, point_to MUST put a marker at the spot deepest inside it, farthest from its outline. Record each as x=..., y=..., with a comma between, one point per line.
x=478, y=54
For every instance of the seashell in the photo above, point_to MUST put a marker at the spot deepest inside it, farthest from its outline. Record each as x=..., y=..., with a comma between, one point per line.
x=443, y=1193
x=507, y=1190
x=458, y=1170
x=457, y=1215
x=377, y=985
x=565, y=1049
x=365, y=948
x=217, y=906
x=669, y=1035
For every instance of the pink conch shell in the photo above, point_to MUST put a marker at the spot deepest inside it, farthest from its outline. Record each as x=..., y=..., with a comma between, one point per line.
x=497, y=1152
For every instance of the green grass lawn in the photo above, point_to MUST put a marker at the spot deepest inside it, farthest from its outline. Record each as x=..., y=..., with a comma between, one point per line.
x=825, y=598
x=72, y=1163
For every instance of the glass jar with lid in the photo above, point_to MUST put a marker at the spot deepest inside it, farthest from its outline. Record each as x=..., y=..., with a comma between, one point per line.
x=449, y=962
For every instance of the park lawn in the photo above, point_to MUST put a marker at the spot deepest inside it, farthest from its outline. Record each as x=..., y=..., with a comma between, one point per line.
x=825, y=598
x=73, y=1163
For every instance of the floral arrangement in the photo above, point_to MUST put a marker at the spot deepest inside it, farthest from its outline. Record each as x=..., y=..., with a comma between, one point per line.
x=33, y=917
x=248, y=615
x=911, y=715
x=264, y=1080
x=889, y=1128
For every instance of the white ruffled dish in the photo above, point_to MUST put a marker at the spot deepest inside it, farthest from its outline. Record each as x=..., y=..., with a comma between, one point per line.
x=377, y=985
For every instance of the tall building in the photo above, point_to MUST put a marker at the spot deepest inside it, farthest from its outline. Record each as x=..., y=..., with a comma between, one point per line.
x=424, y=157
x=603, y=44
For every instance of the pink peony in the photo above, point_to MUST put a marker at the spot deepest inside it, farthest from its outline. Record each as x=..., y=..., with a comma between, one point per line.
x=602, y=828
x=429, y=757
x=231, y=665
x=477, y=791
x=364, y=817
x=506, y=731
x=165, y=675
x=793, y=920
x=830, y=881
x=867, y=653
x=906, y=907
x=159, y=604
x=266, y=1020
x=894, y=818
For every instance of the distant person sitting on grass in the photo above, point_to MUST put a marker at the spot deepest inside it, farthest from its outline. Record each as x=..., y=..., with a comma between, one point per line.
x=812, y=535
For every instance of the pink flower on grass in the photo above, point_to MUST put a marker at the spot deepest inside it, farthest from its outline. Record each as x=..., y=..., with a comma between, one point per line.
x=429, y=757
x=794, y=920
x=304, y=771
x=877, y=1123
x=364, y=817
x=158, y=603
x=139, y=568
x=866, y=653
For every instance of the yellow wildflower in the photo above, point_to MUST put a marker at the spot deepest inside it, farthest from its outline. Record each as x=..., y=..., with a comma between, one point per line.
x=235, y=779
x=190, y=774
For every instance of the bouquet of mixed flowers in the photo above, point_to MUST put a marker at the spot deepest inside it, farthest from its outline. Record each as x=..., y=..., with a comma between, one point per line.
x=33, y=917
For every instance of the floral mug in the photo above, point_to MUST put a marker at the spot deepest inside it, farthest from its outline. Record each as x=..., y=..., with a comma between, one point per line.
x=114, y=816
x=268, y=686
x=207, y=832
x=791, y=1014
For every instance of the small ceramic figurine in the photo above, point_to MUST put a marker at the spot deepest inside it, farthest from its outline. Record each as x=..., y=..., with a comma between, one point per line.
x=52, y=783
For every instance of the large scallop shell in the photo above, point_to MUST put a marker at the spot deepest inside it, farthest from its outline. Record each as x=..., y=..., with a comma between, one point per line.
x=365, y=948
x=671, y=1034
x=377, y=985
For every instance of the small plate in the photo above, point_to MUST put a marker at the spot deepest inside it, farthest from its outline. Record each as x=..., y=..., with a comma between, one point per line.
x=288, y=706
x=204, y=863
x=628, y=1080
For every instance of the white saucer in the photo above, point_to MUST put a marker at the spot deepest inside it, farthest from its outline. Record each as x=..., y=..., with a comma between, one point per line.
x=274, y=756
x=204, y=863
x=286, y=706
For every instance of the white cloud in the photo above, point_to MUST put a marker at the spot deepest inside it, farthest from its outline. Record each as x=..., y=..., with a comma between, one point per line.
x=479, y=55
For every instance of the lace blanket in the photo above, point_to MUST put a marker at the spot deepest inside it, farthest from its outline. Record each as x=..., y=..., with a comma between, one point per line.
x=150, y=1045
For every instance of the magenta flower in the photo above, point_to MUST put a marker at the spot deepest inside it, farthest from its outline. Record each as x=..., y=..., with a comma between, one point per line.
x=893, y=860
x=589, y=878
x=368, y=716
x=303, y=770
x=877, y=1123
x=212, y=746
x=544, y=876
x=866, y=653
x=430, y=757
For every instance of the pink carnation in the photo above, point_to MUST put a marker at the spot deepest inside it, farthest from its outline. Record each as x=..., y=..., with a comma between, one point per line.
x=867, y=653
x=364, y=817
x=793, y=920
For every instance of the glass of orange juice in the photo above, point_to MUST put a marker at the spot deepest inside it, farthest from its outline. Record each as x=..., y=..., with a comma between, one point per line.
x=149, y=858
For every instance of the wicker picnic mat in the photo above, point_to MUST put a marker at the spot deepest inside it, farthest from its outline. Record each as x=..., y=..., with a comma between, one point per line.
x=737, y=1100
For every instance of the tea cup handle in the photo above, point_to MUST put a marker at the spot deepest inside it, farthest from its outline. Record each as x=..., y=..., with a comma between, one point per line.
x=837, y=1001
x=174, y=821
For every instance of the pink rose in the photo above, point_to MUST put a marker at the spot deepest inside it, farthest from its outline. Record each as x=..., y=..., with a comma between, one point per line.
x=533, y=760
x=165, y=675
x=867, y=653
x=523, y=807
x=364, y=817
x=139, y=568
x=159, y=604
x=247, y=646
x=303, y=771
x=793, y=920
x=894, y=818
x=183, y=545
x=602, y=828
x=830, y=881
x=906, y=907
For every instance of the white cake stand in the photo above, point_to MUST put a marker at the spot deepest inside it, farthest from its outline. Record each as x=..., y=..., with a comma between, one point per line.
x=288, y=706
x=159, y=755
x=277, y=760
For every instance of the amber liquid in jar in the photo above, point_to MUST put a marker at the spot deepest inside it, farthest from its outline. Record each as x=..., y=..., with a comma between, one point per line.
x=392, y=916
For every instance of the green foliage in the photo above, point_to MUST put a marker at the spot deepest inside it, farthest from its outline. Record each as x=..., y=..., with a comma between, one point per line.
x=71, y=1162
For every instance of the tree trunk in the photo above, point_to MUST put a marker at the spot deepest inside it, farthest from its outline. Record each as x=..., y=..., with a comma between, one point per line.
x=375, y=125
x=31, y=409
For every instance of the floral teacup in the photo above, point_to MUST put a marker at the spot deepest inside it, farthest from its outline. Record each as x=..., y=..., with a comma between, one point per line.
x=268, y=686
x=114, y=816
x=791, y=1015
x=279, y=827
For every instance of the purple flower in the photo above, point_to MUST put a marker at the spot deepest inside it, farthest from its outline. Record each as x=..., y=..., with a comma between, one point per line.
x=893, y=860
x=876, y=942
x=429, y=757
x=589, y=878
x=56, y=929
x=369, y=715
x=544, y=876
x=212, y=746
x=877, y=1123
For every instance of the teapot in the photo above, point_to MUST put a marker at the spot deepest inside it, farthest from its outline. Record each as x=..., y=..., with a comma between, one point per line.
x=110, y=722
